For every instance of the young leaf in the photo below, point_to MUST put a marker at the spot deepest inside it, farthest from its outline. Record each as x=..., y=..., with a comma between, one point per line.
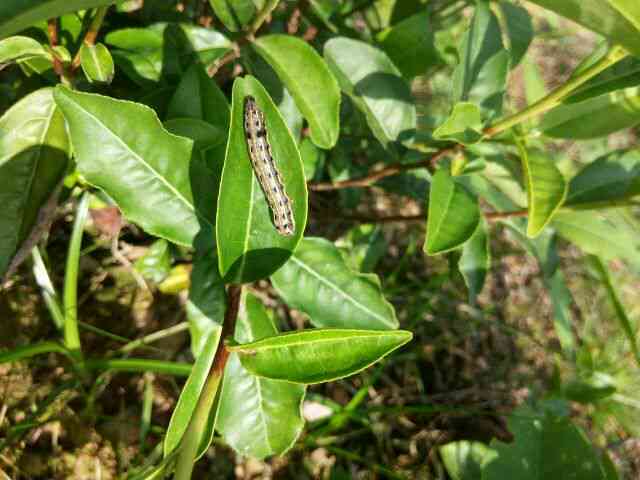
x=612, y=177
x=97, y=63
x=257, y=417
x=190, y=393
x=475, y=261
x=375, y=86
x=546, y=189
x=481, y=76
x=34, y=155
x=316, y=356
x=317, y=281
x=463, y=459
x=464, y=124
x=410, y=45
x=17, y=49
x=249, y=246
x=307, y=77
x=617, y=20
x=234, y=14
x=155, y=264
x=453, y=214
x=122, y=148
x=594, y=117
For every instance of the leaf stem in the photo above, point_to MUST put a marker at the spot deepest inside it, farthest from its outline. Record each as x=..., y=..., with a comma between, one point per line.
x=197, y=424
x=71, y=335
x=614, y=55
x=91, y=35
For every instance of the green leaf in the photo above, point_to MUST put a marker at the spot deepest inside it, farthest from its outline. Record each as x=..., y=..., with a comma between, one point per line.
x=190, y=393
x=621, y=313
x=204, y=135
x=375, y=86
x=34, y=153
x=604, y=234
x=546, y=189
x=97, y=63
x=312, y=159
x=464, y=124
x=594, y=117
x=475, y=261
x=317, y=281
x=249, y=246
x=207, y=298
x=410, y=45
x=16, y=15
x=544, y=447
x=316, y=356
x=463, y=459
x=307, y=77
x=122, y=148
x=155, y=264
x=453, y=214
x=614, y=176
x=519, y=30
x=257, y=417
x=622, y=74
x=17, y=49
x=481, y=75
x=235, y=14
x=617, y=20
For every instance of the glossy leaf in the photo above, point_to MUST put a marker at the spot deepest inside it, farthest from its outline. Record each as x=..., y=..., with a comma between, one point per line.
x=310, y=82
x=234, y=14
x=481, y=75
x=188, y=400
x=16, y=15
x=34, y=150
x=617, y=20
x=463, y=459
x=453, y=214
x=606, y=235
x=312, y=159
x=546, y=189
x=257, y=417
x=623, y=74
x=544, y=447
x=204, y=135
x=122, y=148
x=155, y=264
x=17, y=49
x=464, y=124
x=375, y=86
x=612, y=177
x=97, y=63
x=207, y=298
x=410, y=45
x=315, y=356
x=475, y=261
x=249, y=246
x=594, y=117
x=317, y=281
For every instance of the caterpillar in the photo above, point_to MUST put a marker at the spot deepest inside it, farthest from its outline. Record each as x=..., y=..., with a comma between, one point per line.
x=264, y=166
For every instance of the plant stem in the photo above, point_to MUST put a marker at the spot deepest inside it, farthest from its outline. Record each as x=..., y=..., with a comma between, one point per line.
x=71, y=335
x=140, y=365
x=92, y=33
x=197, y=424
x=46, y=286
x=614, y=55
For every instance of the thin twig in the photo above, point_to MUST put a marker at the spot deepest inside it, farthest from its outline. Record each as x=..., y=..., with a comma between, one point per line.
x=91, y=35
x=52, y=28
x=384, y=172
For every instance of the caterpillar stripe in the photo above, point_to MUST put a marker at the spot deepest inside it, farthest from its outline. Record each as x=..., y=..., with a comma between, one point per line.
x=264, y=166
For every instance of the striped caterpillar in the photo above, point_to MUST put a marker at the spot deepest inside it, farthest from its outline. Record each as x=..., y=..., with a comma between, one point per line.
x=265, y=168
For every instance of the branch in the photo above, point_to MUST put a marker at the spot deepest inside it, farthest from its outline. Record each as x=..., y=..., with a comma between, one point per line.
x=52, y=28
x=91, y=35
x=385, y=172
